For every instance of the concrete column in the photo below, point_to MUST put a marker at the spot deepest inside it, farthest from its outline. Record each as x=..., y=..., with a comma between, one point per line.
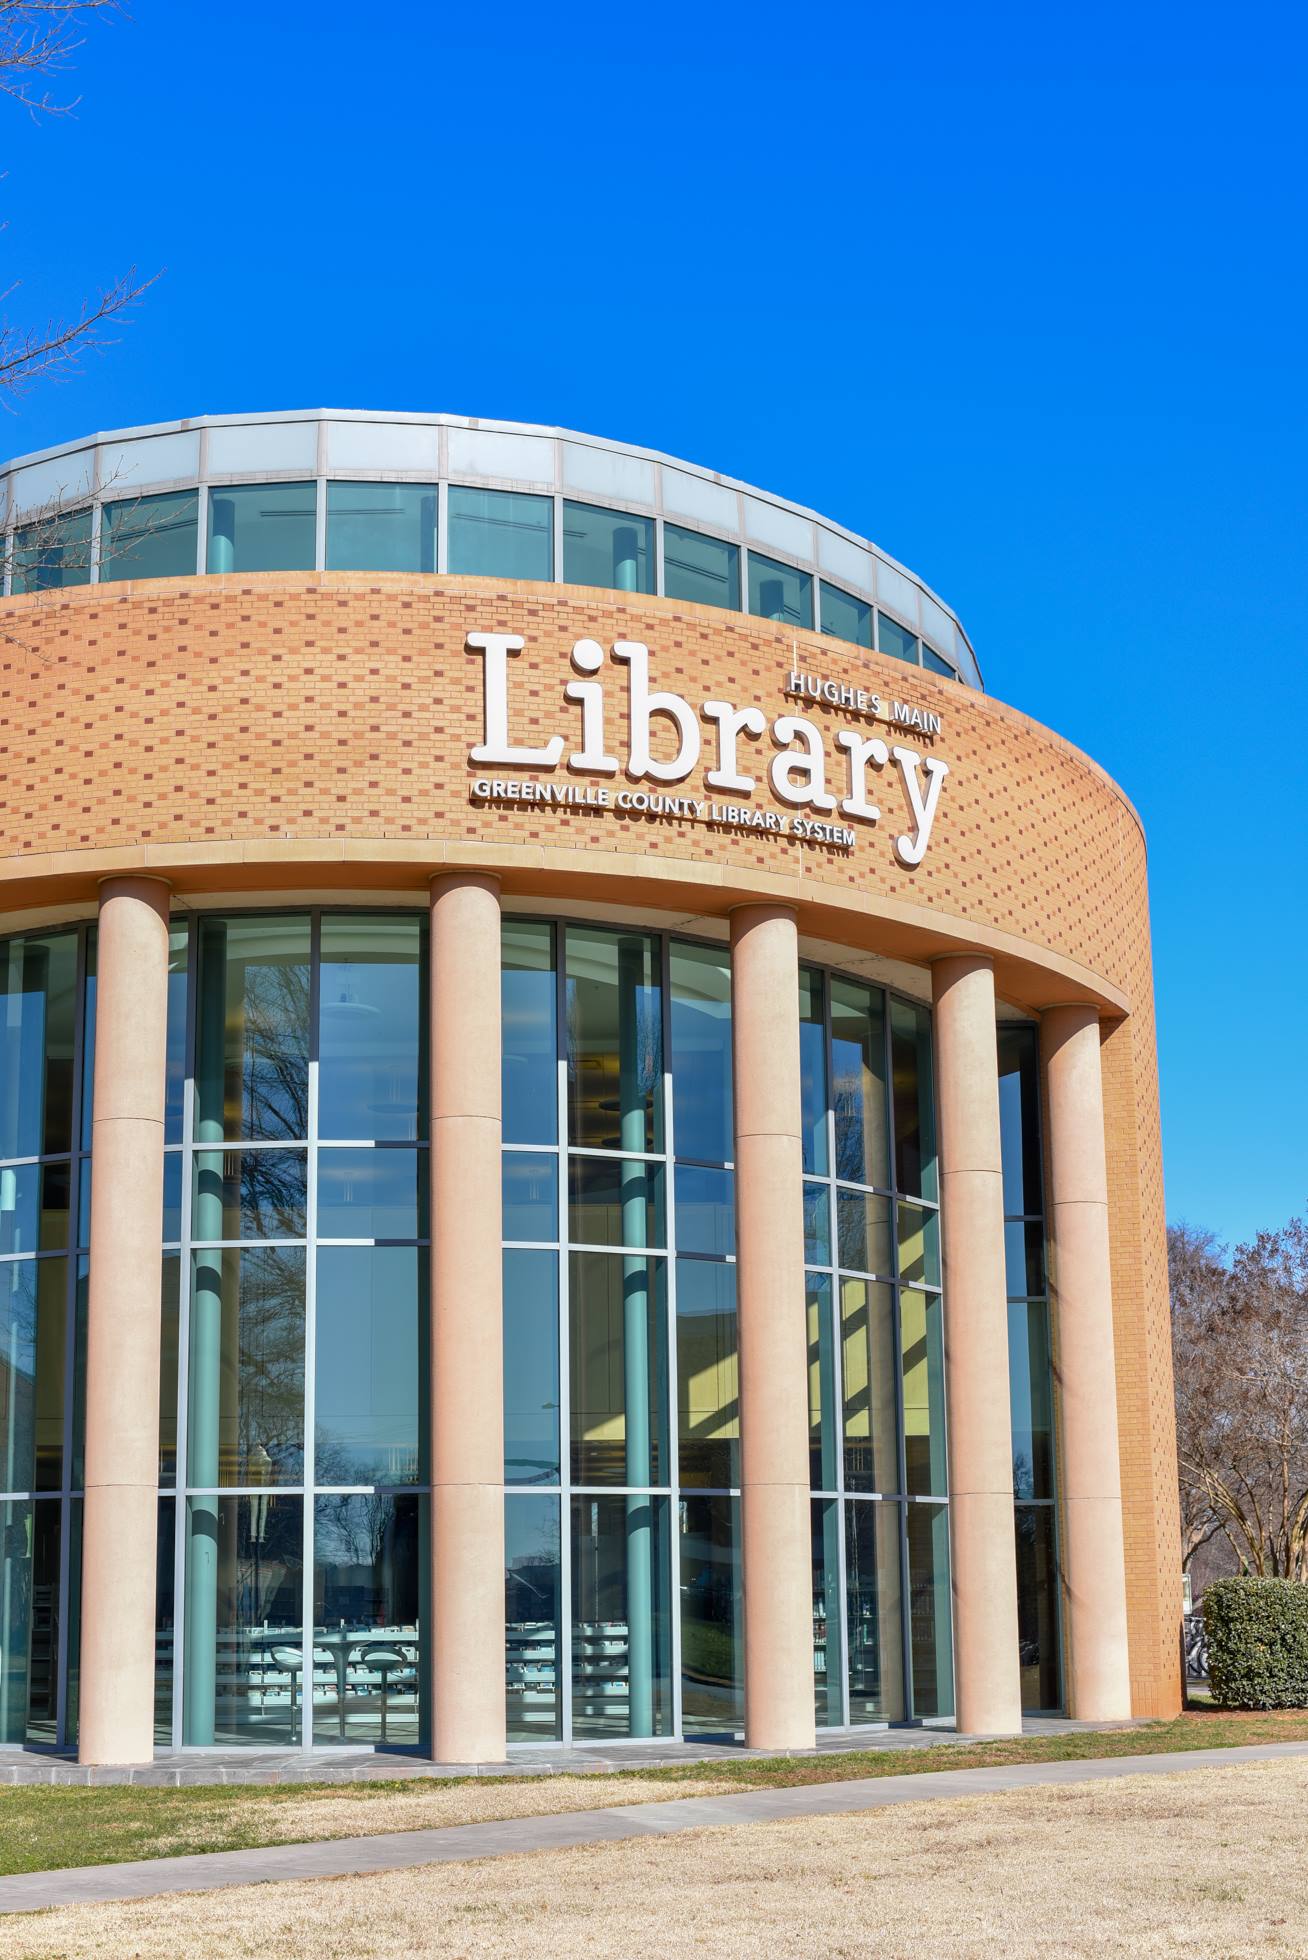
x=981, y=1528
x=1094, y=1569
x=121, y=1515
x=466, y=1637
x=777, y=1560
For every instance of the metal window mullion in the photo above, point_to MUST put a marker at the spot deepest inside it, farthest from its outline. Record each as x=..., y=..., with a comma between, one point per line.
x=672, y=1425
x=563, y=1645
x=307, y=1685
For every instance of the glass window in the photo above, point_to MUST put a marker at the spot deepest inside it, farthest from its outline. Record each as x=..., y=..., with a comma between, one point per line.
x=169, y=1295
x=369, y=1567
x=1019, y=1120
x=813, y=1069
x=53, y=552
x=844, y=617
x=828, y=1617
x=381, y=527
x=33, y=1345
x=372, y=1194
x=779, y=591
x=1024, y=1257
x=817, y=1225
x=706, y=1211
x=858, y=1059
x=1030, y=1370
x=705, y=570
x=922, y=1344
x=501, y=534
x=34, y=1208
x=929, y=1631
x=871, y=1370
x=246, y=1374
x=1038, y=1643
x=621, y=1617
x=618, y=1335
x=873, y=1614
x=165, y=1621
x=919, y=1245
x=708, y=1371
x=615, y=1201
x=252, y=1070
x=712, y=1622
x=533, y=1618
x=263, y=527
x=244, y=1659
x=608, y=548
x=29, y=1620
x=615, y=1041
x=370, y=1347
x=38, y=978
x=529, y=1066
x=701, y=1052
x=531, y=1195
x=933, y=662
x=896, y=640
x=863, y=1234
x=823, y=1447
x=531, y=1368
x=150, y=537
x=250, y=1194
x=914, y=1099
x=372, y=1028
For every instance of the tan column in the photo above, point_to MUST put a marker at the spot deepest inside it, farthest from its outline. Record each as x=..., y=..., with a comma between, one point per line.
x=776, y=1529
x=121, y=1515
x=981, y=1531
x=1094, y=1568
x=467, y=1360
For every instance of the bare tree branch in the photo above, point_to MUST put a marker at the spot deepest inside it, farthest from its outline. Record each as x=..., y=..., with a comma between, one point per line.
x=38, y=39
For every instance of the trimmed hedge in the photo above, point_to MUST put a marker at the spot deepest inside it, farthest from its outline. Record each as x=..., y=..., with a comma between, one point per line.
x=1256, y=1632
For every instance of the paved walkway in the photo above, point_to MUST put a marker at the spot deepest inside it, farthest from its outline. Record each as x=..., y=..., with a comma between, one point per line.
x=402, y=1850
x=176, y=1767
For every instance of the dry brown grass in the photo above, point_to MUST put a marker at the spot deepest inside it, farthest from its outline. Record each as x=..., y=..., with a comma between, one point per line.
x=1206, y=1862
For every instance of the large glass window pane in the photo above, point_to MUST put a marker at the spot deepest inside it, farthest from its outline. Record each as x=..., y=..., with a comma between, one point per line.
x=914, y=1099
x=243, y=1668
x=823, y=1428
x=175, y=1053
x=34, y=1208
x=896, y=640
x=871, y=1381
x=531, y=1368
x=252, y=1069
x=705, y=1211
x=863, y=1233
x=150, y=537
x=858, y=1060
x=1019, y=1120
x=817, y=1224
x=712, y=1662
x=873, y=1612
x=250, y=1194
x=501, y=533
x=529, y=1064
x=1030, y=1373
x=828, y=1616
x=168, y=1356
x=372, y=1028
x=616, y=1201
x=813, y=1069
x=844, y=617
x=165, y=1623
x=372, y=1194
x=615, y=1041
x=53, y=552
x=381, y=527
x=708, y=1372
x=936, y=665
x=607, y=547
x=530, y=1191
x=921, y=1333
x=618, y=1333
x=929, y=1625
x=919, y=1245
x=1037, y=1609
x=779, y=591
x=368, y=1571
x=705, y=570
x=38, y=978
x=701, y=1052
x=262, y=527
x=246, y=1367
x=533, y=1626
x=29, y=1620
x=370, y=1345
x=621, y=1620
x=1024, y=1257
x=33, y=1345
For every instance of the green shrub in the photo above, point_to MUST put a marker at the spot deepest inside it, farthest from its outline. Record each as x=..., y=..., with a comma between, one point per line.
x=1257, y=1637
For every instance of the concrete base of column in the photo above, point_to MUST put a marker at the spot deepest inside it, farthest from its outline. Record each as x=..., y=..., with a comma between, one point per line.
x=467, y=1524
x=1093, y=1563
x=118, y=1523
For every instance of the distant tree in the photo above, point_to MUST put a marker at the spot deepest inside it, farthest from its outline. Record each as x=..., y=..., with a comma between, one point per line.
x=1240, y=1338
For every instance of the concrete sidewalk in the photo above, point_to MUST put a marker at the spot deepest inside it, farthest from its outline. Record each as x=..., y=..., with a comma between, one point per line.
x=401, y=1850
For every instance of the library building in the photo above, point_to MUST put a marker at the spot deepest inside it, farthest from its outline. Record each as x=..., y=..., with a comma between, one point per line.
x=579, y=1147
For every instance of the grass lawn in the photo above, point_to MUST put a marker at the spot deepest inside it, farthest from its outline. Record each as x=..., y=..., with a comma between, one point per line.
x=47, y=1827
x=1189, y=1867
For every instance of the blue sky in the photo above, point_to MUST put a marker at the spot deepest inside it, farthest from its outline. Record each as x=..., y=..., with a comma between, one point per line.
x=1018, y=291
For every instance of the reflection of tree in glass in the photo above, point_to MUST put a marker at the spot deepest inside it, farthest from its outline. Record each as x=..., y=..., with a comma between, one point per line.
x=272, y=1357
x=273, y=1193
x=275, y=1052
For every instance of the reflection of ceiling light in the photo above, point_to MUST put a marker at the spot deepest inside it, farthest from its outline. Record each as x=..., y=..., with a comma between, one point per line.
x=346, y=1008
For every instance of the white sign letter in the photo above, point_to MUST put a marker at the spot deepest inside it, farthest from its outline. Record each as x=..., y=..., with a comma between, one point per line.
x=497, y=647
x=588, y=658
x=912, y=850
x=862, y=750
x=810, y=766
x=731, y=723
x=644, y=705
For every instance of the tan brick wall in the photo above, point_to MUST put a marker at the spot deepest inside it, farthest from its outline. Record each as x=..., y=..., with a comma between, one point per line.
x=302, y=729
